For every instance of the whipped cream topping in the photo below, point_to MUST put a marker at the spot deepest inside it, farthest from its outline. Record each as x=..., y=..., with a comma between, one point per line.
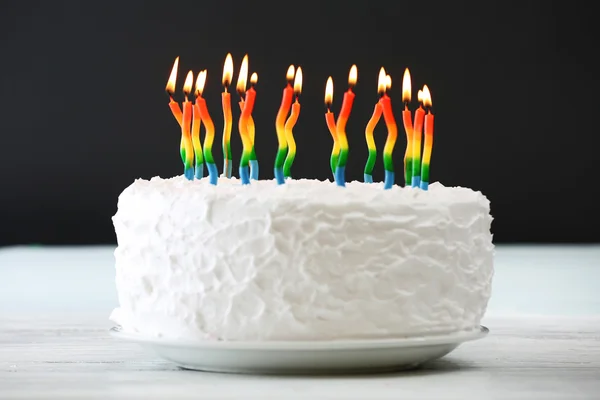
x=307, y=260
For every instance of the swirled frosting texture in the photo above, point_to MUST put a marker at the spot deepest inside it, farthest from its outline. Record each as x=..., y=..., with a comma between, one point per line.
x=303, y=261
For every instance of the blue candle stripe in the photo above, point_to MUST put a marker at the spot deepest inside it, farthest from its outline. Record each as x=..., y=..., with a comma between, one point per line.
x=390, y=177
x=254, y=169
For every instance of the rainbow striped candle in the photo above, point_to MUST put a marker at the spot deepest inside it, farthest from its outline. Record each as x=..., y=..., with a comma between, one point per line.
x=248, y=97
x=289, y=126
x=368, y=172
x=196, y=123
x=390, y=122
x=330, y=120
x=187, y=149
x=227, y=117
x=417, y=136
x=209, y=138
x=340, y=171
x=196, y=143
x=408, y=128
x=284, y=109
x=253, y=162
x=428, y=139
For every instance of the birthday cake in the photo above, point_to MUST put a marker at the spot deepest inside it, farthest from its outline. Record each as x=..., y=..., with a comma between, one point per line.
x=217, y=258
x=302, y=261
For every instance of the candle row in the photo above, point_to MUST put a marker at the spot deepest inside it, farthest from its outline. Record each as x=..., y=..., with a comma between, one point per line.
x=416, y=167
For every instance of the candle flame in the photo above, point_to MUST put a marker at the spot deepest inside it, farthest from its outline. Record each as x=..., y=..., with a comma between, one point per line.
x=381, y=81
x=200, y=81
x=388, y=82
x=254, y=78
x=227, y=70
x=406, y=87
x=290, y=74
x=189, y=81
x=329, y=92
x=243, y=76
x=352, y=76
x=172, y=78
x=426, y=97
x=298, y=82
x=420, y=96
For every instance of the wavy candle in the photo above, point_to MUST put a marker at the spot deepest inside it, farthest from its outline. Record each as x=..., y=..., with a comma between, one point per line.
x=289, y=126
x=173, y=105
x=187, y=152
x=368, y=172
x=227, y=117
x=428, y=145
x=250, y=95
x=196, y=123
x=284, y=109
x=408, y=128
x=330, y=120
x=251, y=132
x=340, y=171
x=392, y=128
x=209, y=137
x=417, y=135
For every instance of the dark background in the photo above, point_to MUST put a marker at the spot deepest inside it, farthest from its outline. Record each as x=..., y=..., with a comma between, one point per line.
x=84, y=113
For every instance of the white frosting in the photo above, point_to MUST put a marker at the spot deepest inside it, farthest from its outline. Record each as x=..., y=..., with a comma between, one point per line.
x=307, y=260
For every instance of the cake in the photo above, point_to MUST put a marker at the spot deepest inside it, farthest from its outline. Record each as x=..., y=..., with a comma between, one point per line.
x=303, y=261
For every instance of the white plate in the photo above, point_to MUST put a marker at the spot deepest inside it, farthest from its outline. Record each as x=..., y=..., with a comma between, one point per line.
x=303, y=357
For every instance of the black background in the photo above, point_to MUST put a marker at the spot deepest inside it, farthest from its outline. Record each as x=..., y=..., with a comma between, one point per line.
x=83, y=109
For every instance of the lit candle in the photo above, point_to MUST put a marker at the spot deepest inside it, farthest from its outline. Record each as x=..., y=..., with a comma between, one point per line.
x=196, y=123
x=392, y=128
x=170, y=89
x=330, y=119
x=202, y=110
x=173, y=105
x=251, y=132
x=368, y=173
x=408, y=127
x=428, y=139
x=187, y=152
x=340, y=171
x=417, y=135
x=226, y=103
x=284, y=109
x=289, y=126
x=250, y=96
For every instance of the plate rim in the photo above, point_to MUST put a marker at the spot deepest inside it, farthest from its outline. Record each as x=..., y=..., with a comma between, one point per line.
x=290, y=345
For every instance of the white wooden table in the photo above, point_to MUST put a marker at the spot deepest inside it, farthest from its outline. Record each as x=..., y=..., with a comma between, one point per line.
x=544, y=319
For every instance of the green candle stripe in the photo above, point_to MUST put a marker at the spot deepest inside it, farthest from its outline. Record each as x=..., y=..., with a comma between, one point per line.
x=208, y=156
x=333, y=161
x=287, y=165
x=281, y=155
x=416, y=166
x=388, y=163
x=343, y=158
x=253, y=154
x=245, y=160
x=425, y=172
x=408, y=163
x=371, y=161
